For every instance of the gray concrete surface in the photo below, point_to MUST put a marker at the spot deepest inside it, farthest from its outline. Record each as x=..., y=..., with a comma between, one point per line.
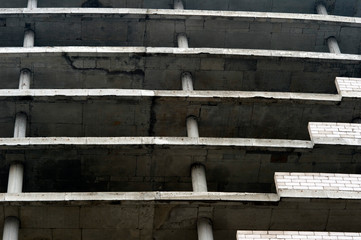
x=155, y=164
x=90, y=220
x=337, y=7
x=71, y=113
x=161, y=68
x=160, y=28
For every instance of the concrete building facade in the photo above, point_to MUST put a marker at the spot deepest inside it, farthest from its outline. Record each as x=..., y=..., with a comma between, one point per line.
x=183, y=120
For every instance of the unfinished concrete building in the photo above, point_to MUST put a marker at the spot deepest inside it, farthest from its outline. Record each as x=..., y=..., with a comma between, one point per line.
x=185, y=120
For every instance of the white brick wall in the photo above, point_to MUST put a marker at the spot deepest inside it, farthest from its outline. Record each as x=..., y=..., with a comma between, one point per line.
x=297, y=235
x=349, y=87
x=319, y=185
x=335, y=133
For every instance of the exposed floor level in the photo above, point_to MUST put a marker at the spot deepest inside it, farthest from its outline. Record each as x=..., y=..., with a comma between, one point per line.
x=159, y=28
x=172, y=219
x=161, y=68
x=336, y=7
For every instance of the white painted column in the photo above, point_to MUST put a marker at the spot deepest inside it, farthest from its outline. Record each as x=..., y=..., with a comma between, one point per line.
x=204, y=228
x=182, y=40
x=187, y=81
x=333, y=45
x=32, y=4
x=16, y=171
x=178, y=4
x=331, y=41
x=321, y=9
x=192, y=127
x=11, y=228
x=199, y=180
x=29, y=37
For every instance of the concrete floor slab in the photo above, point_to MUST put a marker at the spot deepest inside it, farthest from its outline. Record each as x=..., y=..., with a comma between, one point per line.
x=115, y=112
x=336, y=7
x=143, y=164
x=165, y=218
x=161, y=68
x=159, y=28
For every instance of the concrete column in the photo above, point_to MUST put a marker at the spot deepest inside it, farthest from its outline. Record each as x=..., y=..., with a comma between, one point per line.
x=204, y=228
x=29, y=37
x=11, y=228
x=187, y=81
x=25, y=78
x=32, y=4
x=192, y=127
x=333, y=45
x=15, y=182
x=321, y=9
x=20, y=125
x=331, y=42
x=182, y=40
x=178, y=4
x=199, y=180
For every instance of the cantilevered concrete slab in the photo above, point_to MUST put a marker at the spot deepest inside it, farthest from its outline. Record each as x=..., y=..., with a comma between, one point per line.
x=159, y=28
x=336, y=7
x=77, y=217
x=152, y=164
x=115, y=112
x=161, y=68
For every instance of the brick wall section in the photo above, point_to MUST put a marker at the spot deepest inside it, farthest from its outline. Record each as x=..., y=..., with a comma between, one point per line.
x=327, y=185
x=349, y=87
x=296, y=235
x=335, y=133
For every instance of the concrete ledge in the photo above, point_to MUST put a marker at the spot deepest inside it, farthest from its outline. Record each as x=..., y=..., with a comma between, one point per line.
x=209, y=95
x=112, y=141
x=138, y=196
x=318, y=185
x=104, y=51
x=298, y=235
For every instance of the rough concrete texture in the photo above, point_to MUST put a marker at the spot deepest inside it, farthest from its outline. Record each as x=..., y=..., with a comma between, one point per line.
x=336, y=7
x=159, y=28
x=161, y=68
x=297, y=235
x=318, y=185
x=88, y=220
x=155, y=164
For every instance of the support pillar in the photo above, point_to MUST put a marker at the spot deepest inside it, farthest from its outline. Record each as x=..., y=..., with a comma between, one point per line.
x=204, y=228
x=32, y=4
x=182, y=40
x=331, y=42
x=11, y=228
x=192, y=127
x=16, y=171
x=321, y=9
x=178, y=4
x=187, y=81
x=199, y=180
x=333, y=45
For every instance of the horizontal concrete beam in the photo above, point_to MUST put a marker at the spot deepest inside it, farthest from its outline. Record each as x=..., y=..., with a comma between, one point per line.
x=149, y=68
x=79, y=197
x=318, y=185
x=171, y=141
x=336, y=7
x=206, y=95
